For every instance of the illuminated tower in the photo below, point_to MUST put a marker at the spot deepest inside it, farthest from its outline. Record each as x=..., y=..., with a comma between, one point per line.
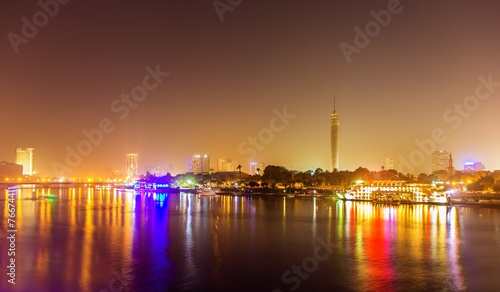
x=440, y=159
x=24, y=157
x=132, y=165
x=334, y=128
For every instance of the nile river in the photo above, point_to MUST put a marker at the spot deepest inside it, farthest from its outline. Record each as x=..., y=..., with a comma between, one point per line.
x=86, y=239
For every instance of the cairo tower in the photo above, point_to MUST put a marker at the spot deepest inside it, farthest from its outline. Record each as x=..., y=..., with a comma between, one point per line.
x=334, y=128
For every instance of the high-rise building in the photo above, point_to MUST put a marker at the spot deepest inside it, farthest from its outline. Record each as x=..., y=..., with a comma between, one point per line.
x=253, y=168
x=24, y=157
x=225, y=165
x=205, y=164
x=389, y=162
x=471, y=166
x=440, y=160
x=195, y=164
x=132, y=165
x=199, y=163
x=334, y=129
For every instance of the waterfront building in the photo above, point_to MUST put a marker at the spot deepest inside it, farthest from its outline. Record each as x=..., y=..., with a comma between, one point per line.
x=334, y=136
x=205, y=164
x=224, y=165
x=24, y=157
x=199, y=163
x=440, y=160
x=472, y=166
x=195, y=164
x=132, y=165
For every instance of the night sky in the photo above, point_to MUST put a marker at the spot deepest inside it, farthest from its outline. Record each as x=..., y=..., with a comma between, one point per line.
x=228, y=78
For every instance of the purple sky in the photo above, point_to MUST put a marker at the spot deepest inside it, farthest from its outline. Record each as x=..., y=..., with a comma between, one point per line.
x=228, y=78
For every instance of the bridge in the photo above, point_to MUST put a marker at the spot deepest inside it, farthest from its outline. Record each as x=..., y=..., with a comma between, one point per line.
x=54, y=184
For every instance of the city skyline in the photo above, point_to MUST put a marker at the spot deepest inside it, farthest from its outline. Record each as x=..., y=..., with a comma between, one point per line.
x=197, y=84
x=441, y=161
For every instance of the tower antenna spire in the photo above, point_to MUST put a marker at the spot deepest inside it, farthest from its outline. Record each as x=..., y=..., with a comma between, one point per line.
x=334, y=136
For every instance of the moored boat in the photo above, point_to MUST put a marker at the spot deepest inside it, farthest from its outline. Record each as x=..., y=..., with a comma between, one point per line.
x=396, y=192
x=154, y=187
x=207, y=191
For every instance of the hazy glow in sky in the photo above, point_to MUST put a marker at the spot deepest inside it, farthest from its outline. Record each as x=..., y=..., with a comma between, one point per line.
x=414, y=69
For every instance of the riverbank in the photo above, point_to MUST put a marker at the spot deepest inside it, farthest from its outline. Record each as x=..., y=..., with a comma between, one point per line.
x=457, y=199
x=483, y=199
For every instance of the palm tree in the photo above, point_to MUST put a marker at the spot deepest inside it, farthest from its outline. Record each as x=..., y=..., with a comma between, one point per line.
x=239, y=168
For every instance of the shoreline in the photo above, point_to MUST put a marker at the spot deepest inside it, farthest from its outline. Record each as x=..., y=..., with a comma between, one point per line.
x=491, y=200
x=476, y=199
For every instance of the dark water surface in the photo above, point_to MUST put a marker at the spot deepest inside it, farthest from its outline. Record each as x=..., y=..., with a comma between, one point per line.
x=87, y=239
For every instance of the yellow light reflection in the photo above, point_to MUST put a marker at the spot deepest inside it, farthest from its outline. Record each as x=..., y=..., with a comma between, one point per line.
x=377, y=234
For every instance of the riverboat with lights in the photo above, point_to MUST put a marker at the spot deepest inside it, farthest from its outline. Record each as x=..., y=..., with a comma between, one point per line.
x=397, y=192
x=154, y=187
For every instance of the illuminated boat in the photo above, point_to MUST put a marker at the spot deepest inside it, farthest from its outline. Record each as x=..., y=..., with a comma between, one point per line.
x=351, y=196
x=390, y=199
x=397, y=192
x=154, y=187
x=441, y=197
